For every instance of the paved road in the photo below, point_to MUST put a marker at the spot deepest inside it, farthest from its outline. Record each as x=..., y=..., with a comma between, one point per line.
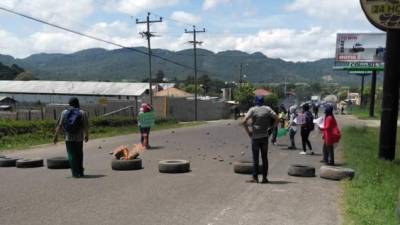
x=210, y=194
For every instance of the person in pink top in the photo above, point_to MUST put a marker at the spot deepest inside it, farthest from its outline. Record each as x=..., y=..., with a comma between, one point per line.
x=331, y=136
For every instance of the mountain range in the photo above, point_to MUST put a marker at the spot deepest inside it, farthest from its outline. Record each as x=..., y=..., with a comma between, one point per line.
x=131, y=64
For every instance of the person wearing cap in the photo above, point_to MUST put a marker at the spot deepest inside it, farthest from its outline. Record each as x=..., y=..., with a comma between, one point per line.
x=75, y=126
x=262, y=119
x=331, y=135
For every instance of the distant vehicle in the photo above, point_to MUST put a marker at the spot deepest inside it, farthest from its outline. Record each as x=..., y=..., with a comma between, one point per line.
x=357, y=47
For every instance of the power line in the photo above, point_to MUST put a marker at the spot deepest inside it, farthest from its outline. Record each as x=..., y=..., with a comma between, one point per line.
x=102, y=40
x=92, y=37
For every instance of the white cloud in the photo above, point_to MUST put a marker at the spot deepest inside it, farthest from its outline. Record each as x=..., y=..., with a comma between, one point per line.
x=288, y=44
x=56, y=41
x=12, y=45
x=328, y=9
x=185, y=17
x=67, y=13
x=210, y=4
x=133, y=7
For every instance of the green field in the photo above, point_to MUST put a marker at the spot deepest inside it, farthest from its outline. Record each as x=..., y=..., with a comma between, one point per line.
x=371, y=197
x=363, y=113
x=25, y=134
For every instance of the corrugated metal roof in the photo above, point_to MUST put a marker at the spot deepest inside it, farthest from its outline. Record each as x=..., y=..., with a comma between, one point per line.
x=74, y=88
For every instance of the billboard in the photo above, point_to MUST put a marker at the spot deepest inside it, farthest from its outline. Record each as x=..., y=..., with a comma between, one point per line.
x=360, y=47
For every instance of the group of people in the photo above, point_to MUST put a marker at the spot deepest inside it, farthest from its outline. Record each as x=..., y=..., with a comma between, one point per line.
x=73, y=122
x=265, y=121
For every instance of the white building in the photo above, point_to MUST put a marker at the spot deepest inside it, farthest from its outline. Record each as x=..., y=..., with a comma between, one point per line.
x=60, y=91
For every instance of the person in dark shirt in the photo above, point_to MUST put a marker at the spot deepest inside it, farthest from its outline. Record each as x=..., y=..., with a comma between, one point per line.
x=262, y=119
x=74, y=138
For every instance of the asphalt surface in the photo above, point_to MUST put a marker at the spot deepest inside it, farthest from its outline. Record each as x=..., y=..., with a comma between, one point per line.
x=210, y=194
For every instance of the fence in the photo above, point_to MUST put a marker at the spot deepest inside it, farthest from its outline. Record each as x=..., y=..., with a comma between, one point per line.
x=179, y=108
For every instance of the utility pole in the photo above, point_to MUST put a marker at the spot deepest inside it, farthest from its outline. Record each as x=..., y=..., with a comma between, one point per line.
x=240, y=74
x=148, y=35
x=390, y=100
x=195, y=42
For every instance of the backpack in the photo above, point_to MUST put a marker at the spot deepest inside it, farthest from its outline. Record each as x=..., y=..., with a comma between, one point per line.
x=309, y=120
x=73, y=120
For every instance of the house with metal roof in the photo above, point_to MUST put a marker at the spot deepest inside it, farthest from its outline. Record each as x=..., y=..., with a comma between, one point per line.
x=60, y=91
x=7, y=103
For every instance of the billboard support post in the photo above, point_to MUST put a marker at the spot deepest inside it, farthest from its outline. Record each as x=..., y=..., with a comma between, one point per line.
x=362, y=90
x=372, y=94
x=390, y=100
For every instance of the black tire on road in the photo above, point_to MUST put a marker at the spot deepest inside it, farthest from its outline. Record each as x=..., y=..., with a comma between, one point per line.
x=245, y=168
x=336, y=173
x=29, y=163
x=132, y=164
x=7, y=162
x=174, y=166
x=301, y=171
x=58, y=163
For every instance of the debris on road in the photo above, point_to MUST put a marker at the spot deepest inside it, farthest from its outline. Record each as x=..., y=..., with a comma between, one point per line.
x=123, y=153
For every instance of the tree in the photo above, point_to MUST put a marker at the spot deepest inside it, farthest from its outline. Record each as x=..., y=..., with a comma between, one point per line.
x=25, y=76
x=316, y=88
x=189, y=88
x=272, y=101
x=160, y=76
x=244, y=95
x=189, y=80
x=17, y=69
x=342, y=95
x=6, y=73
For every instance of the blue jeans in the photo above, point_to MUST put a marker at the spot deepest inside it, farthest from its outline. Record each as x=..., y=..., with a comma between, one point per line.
x=257, y=146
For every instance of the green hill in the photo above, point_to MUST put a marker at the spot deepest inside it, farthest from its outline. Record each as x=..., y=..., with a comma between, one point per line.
x=125, y=64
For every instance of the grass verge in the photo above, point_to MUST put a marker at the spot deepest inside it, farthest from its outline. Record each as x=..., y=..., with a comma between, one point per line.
x=363, y=113
x=371, y=197
x=45, y=136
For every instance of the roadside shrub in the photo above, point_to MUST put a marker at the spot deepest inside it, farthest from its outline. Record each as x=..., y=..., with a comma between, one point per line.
x=46, y=127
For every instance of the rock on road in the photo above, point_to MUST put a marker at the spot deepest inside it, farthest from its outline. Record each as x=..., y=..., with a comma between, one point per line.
x=211, y=194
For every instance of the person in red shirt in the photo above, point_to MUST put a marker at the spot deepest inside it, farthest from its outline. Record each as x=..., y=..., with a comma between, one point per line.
x=331, y=135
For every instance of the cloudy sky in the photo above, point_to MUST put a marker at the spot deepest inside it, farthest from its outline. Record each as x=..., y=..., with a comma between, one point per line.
x=295, y=30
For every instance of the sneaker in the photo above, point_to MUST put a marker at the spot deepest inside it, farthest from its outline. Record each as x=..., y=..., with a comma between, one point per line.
x=311, y=153
x=264, y=181
x=292, y=148
x=273, y=143
x=303, y=153
x=252, y=180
